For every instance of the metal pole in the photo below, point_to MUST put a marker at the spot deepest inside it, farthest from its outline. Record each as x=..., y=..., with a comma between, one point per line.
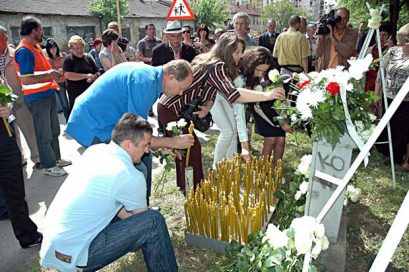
x=385, y=100
x=391, y=242
x=118, y=15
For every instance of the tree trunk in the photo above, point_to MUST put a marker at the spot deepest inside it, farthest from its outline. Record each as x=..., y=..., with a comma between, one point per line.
x=394, y=16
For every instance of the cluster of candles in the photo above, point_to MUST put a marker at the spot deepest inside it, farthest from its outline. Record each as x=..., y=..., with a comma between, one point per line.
x=234, y=200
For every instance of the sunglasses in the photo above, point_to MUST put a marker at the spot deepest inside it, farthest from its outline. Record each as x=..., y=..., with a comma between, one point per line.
x=186, y=31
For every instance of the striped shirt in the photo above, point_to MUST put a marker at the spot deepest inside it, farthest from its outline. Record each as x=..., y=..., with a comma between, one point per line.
x=205, y=85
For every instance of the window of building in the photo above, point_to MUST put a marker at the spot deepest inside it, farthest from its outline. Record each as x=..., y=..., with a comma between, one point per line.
x=15, y=33
x=126, y=32
x=86, y=32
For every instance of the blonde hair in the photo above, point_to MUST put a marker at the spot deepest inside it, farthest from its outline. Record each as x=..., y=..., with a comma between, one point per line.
x=402, y=36
x=75, y=40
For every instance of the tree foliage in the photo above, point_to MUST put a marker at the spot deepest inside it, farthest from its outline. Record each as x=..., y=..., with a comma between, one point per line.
x=211, y=12
x=359, y=11
x=106, y=10
x=281, y=11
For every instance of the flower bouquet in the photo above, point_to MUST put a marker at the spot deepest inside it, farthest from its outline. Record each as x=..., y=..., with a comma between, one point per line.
x=6, y=97
x=277, y=250
x=334, y=102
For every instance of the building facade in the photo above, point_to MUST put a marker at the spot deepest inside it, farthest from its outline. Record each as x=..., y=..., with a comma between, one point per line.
x=62, y=19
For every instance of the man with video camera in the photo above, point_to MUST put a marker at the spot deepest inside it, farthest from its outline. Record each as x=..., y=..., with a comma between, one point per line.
x=336, y=41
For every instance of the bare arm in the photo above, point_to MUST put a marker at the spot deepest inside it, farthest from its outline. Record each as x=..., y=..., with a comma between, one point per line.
x=320, y=45
x=40, y=77
x=305, y=64
x=77, y=76
x=141, y=57
x=248, y=96
x=178, y=142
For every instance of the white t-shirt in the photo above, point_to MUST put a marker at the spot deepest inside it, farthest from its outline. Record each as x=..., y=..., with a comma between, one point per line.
x=102, y=182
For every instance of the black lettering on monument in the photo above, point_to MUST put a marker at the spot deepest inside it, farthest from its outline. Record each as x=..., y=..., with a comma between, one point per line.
x=335, y=162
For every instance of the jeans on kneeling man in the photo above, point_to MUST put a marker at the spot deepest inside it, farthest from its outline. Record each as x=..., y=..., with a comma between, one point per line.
x=146, y=231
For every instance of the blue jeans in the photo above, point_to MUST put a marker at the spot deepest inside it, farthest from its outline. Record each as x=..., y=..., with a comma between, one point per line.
x=146, y=231
x=62, y=101
x=47, y=129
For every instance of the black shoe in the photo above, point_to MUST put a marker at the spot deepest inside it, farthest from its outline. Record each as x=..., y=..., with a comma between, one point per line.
x=35, y=243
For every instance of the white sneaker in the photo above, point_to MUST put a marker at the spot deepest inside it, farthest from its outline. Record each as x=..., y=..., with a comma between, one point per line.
x=63, y=163
x=55, y=171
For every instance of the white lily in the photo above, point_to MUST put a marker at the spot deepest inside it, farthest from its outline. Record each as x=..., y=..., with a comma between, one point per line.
x=304, y=233
x=275, y=237
x=304, y=166
x=304, y=187
x=171, y=125
x=319, y=231
x=274, y=75
x=358, y=67
x=181, y=123
x=298, y=195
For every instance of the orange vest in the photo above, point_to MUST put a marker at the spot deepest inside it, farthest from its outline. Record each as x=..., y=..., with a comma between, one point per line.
x=41, y=65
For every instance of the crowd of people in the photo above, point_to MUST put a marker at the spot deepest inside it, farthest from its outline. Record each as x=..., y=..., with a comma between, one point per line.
x=101, y=211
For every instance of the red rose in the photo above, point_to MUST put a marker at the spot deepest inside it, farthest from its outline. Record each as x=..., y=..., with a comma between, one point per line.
x=333, y=88
x=301, y=85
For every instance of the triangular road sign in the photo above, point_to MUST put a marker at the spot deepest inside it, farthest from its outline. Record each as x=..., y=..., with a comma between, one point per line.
x=180, y=10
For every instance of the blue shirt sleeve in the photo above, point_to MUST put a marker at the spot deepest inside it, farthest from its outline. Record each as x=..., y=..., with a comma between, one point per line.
x=131, y=191
x=25, y=60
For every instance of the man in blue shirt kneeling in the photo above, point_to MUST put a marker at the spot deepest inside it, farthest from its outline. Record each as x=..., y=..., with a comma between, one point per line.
x=100, y=212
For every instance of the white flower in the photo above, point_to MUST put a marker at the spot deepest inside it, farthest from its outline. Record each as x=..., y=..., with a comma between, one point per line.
x=298, y=195
x=274, y=75
x=372, y=117
x=319, y=231
x=258, y=88
x=304, y=166
x=353, y=193
x=293, y=118
x=171, y=125
x=239, y=82
x=304, y=233
x=275, y=237
x=305, y=111
x=313, y=75
x=324, y=243
x=304, y=187
x=316, y=250
x=358, y=67
x=181, y=123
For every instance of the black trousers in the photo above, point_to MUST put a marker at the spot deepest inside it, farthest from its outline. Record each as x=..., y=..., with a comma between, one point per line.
x=12, y=186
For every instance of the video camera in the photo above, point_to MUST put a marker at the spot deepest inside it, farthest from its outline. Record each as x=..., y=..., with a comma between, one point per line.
x=328, y=19
x=201, y=124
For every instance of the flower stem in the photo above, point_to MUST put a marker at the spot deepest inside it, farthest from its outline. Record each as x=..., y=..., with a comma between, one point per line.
x=6, y=124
